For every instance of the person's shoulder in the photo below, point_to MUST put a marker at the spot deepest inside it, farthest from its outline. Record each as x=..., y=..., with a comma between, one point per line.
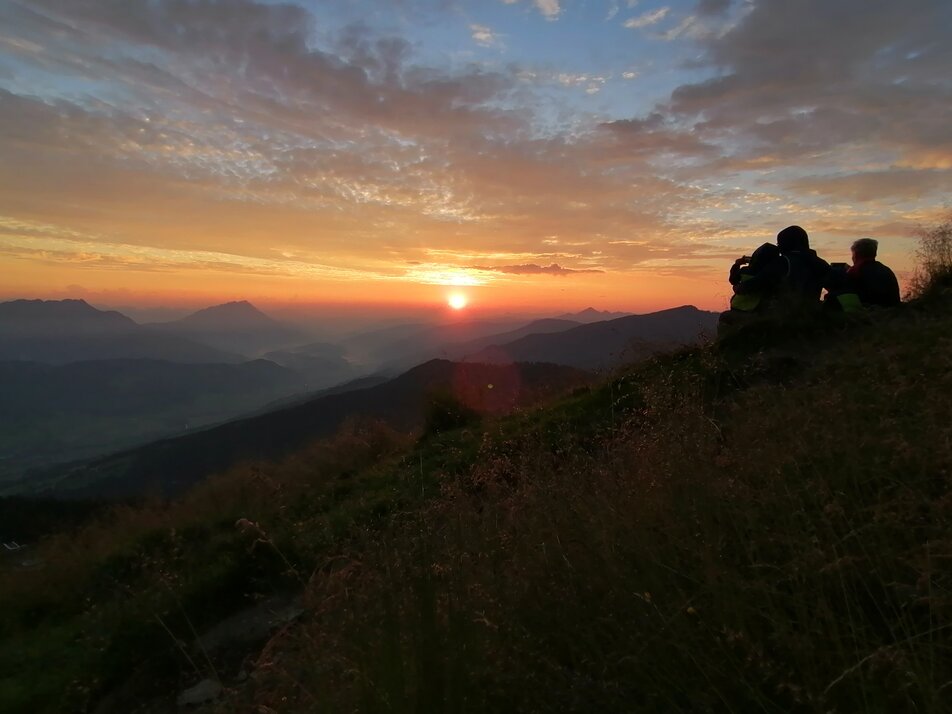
x=876, y=267
x=818, y=261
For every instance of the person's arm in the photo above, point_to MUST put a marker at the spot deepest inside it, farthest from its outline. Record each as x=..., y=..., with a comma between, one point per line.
x=765, y=279
x=736, y=268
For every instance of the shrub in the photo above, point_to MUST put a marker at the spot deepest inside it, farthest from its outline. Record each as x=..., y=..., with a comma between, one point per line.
x=934, y=254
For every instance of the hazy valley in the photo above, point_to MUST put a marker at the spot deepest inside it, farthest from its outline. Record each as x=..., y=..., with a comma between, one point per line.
x=79, y=383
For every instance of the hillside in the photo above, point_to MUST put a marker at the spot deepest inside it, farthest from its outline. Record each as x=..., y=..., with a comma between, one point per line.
x=757, y=525
x=170, y=466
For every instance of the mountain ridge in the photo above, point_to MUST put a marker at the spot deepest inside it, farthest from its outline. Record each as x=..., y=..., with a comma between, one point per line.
x=236, y=326
x=172, y=465
x=64, y=331
x=604, y=344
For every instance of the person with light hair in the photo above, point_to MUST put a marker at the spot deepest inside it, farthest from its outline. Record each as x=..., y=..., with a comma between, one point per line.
x=873, y=282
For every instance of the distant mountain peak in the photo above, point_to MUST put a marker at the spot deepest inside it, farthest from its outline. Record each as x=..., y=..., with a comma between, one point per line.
x=232, y=306
x=590, y=314
x=62, y=316
x=234, y=313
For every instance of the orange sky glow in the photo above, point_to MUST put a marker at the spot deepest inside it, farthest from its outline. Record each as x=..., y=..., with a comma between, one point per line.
x=323, y=154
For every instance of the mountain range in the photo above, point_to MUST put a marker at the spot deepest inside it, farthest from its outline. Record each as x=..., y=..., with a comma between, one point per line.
x=78, y=383
x=63, y=331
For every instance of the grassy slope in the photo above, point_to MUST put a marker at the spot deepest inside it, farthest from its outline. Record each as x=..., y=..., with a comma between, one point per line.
x=717, y=530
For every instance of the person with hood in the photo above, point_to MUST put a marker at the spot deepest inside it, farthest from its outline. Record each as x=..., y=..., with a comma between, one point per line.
x=798, y=278
x=745, y=305
x=748, y=268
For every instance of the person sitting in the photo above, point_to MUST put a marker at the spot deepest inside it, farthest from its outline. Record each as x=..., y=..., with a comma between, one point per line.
x=746, y=301
x=839, y=295
x=746, y=269
x=798, y=278
x=874, y=283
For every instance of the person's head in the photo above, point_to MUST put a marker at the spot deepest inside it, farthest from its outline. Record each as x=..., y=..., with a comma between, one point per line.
x=793, y=238
x=763, y=255
x=864, y=249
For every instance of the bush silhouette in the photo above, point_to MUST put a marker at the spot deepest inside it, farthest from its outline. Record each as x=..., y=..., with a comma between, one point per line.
x=934, y=272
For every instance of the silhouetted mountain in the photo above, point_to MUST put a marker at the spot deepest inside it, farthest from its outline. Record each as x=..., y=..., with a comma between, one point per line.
x=62, y=331
x=318, y=371
x=170, y=466
x=41, y=318
x=50, y=414
x=604, y=344
x=459, y=350
x=236, y=327
x=590, y=314
x=396, y=349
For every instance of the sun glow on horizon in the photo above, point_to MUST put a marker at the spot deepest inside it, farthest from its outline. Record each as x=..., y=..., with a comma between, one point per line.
x=457, y=301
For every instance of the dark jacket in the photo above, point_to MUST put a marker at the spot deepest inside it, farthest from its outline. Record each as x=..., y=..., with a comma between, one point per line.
x=875, y=284
x=808, y=274
x=800, y=274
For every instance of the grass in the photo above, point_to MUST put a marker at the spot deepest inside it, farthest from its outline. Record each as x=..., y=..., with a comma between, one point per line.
x=759, y=525
x=733, y=538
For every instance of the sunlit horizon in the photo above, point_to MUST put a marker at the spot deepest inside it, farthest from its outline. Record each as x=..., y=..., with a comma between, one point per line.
x=545, y=156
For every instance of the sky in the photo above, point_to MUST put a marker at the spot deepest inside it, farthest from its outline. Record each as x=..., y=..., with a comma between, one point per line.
x=531, y=154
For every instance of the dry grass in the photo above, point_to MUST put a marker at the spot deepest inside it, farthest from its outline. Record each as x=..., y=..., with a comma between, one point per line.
x=775, y=549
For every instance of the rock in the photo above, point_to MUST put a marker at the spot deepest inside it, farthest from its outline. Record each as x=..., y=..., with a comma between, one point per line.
x=251, y=625
x=205, y=691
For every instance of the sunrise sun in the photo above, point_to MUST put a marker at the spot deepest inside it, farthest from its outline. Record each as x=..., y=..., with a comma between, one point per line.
x=457, y=301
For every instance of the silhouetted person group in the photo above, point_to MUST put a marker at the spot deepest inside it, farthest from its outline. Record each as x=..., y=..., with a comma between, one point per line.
x=790, y=277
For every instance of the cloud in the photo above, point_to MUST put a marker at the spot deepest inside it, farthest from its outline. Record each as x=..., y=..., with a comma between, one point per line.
x=870, y=89
x=243, y=129
x=647, y=19
x=713, y=7
x=874, y=186
x=484, y=36
x=590, y=83
x=549, y=8
x=655, y=136
x=690, y=26
x=533, y=269
x=270, y=45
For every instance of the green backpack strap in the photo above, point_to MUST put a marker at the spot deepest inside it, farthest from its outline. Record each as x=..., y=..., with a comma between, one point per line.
x=849, y=302
x=745, y=303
